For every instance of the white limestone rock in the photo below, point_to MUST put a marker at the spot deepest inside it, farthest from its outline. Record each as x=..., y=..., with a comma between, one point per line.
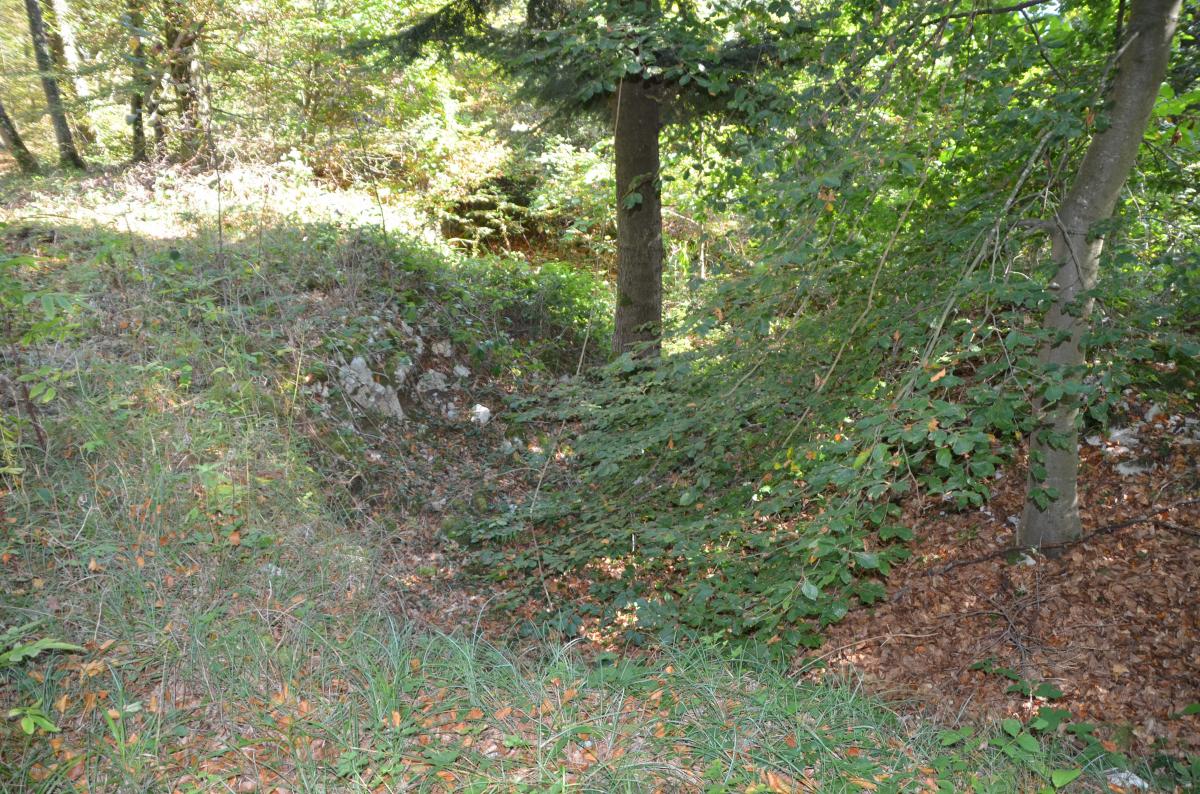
x=359, y=384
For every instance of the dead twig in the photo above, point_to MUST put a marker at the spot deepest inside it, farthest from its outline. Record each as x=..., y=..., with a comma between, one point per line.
x=1104, y=530
x=1159, y=522
x=814, y=659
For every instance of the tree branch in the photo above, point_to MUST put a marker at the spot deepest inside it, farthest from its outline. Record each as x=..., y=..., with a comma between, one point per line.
x=984, y=11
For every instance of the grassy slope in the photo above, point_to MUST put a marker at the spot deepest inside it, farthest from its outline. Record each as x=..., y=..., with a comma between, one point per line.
x=237, y=614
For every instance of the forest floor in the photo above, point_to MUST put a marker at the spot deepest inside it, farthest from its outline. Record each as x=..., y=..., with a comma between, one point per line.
x=265, y=600
x=1112, y=626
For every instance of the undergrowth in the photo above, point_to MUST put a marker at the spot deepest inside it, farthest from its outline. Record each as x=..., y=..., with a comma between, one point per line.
x=232, y=607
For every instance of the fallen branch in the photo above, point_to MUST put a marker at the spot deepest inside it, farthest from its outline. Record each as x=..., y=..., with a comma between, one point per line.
x=1103, y=530
x=1158, y=522
x=811, y=660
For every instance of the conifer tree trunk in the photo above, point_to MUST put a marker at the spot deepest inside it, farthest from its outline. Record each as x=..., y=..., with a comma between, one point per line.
x=1075, y=252
x=12, y=141
x=638, y=120
x=67, y=153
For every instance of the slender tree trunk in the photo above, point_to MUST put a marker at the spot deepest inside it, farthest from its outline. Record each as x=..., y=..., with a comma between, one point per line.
x=67, y=153
x=64, y=52
x=1051, y=514
x=14, y=144
x=139, y=87
x=639, y=220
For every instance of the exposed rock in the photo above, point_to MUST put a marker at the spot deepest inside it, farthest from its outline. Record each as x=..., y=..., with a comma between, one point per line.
x=360, y=386
x=402, y=371
x=1133, y=469
x=1123, y=779
x=431, y=381
x=481, y=414
x=1124, y=436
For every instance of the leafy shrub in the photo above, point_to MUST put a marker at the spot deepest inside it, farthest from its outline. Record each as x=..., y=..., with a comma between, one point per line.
x=15, y=651
x=28, y=317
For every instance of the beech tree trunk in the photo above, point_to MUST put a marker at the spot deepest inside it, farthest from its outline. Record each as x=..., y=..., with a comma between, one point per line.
x=638, y=120
x=67, y=153
x=1051, y=514
x=12, y=141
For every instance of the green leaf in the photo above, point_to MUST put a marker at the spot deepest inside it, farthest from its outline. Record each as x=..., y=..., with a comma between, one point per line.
x=868, y=560
x=983, y=468
x=1011, y=727
x=862, y=458
x=1028, y=743
x=1061, y=777
x=895, y=531
x=1047, y=691
x=951, y=738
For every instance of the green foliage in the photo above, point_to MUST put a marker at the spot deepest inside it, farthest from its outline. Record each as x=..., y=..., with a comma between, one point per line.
x=210, y=395
x=29, y=317
x=869, y=331
x=14, y=652
x=511, y=316
x=689, y=50
x=878, y=338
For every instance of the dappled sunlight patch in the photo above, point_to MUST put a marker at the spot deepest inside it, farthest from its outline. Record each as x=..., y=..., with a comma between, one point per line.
x=165, y=204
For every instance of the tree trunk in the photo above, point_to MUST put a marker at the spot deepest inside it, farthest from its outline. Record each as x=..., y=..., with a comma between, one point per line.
x=1075, y=253
x=64, y=52
x=14, y=144
x=638, y=324
x=180, y=39
x=67, y=153
x=139, y=85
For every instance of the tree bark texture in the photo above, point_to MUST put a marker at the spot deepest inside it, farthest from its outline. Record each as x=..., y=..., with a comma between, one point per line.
x=140, y=83
x=68, y=155
x=16, y=147
x=1075, y=253
x=181, y=35
x=64, y=52
x=637, y=122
